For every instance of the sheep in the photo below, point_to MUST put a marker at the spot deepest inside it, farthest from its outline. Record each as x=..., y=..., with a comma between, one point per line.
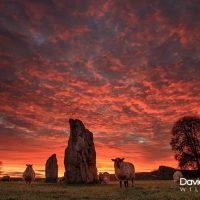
x=104, y=178
x=176, y=176
x=124, y=171
x=29, y=174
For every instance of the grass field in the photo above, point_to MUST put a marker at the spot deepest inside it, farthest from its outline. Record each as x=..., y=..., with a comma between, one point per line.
x=143, y=190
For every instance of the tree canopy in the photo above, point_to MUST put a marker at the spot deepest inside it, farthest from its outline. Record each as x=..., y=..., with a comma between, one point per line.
x=185, y=142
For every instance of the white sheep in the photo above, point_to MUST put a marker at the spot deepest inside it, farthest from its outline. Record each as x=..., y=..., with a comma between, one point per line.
x=104, y=178
x=29, y=174
x=176, y=176
x=124, y=171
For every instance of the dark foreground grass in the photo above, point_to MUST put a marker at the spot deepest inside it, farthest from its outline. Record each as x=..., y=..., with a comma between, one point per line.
x=143, y=190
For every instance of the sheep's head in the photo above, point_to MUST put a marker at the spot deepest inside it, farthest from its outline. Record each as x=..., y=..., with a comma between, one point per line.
x=117, y=162
x=29, y=165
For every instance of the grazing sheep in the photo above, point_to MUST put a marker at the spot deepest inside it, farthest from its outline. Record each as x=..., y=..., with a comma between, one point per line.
x=104, y=178
x=124, y=171
x=176, y=176
x=5, y=179
x=29, y=174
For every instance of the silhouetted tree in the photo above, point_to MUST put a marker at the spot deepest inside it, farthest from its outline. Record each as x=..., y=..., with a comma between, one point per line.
x=185, y=142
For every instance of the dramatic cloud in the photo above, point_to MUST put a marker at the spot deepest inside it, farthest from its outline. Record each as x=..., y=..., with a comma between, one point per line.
x=127, y=69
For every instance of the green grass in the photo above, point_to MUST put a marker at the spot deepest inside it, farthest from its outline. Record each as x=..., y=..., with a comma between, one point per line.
x=143, y=190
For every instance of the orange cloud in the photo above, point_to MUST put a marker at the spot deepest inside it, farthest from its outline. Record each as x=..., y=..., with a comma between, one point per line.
x=127, y=70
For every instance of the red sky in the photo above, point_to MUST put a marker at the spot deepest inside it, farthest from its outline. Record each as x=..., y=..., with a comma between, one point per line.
x=127, y=69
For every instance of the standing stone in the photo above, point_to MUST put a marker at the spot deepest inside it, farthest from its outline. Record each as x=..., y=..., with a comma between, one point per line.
x=80, y=155
x=51, y=169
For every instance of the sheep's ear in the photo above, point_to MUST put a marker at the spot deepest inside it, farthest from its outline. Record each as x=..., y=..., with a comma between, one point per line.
x=27, y=165
x=122, y=159
x=113, y=160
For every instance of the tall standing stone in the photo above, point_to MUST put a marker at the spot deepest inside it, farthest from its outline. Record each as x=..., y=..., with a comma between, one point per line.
x=80, y=155
x=51, y=169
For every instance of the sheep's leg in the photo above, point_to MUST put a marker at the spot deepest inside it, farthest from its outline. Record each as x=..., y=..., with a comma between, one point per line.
x=132, y=182
x=120, y=184
x=124, y=183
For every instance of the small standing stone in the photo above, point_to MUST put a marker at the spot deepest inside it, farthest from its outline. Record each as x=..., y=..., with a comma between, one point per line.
x=51, y=169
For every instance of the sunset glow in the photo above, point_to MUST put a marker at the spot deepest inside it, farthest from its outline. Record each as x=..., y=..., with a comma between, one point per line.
x=127, y=70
